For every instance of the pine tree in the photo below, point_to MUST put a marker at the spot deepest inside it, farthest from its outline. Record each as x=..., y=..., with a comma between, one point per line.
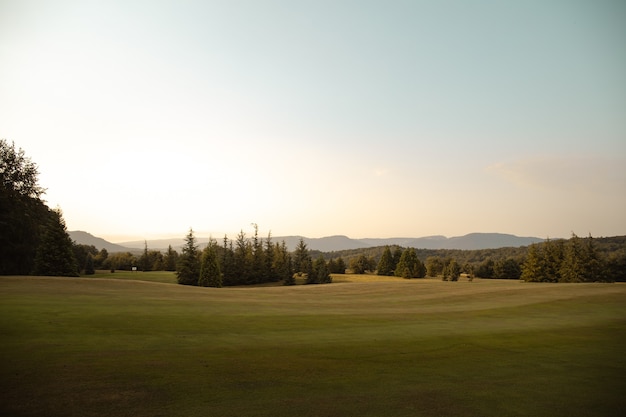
x=385, y=265
x=572, y=268
x=188, y=268
x=321, y=273
x=210, y=274
x=409, y=266
x=454, y=270
x=341, y=266
x=593, y=264
x=171, y=259
x=55, y=256
x=533, y=268
x=551, y=260
x=301, y=258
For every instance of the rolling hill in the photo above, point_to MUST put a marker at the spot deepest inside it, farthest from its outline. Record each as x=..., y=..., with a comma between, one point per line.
x=470, y=241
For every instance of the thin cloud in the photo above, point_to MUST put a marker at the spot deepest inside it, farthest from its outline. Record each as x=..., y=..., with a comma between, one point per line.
x=564, y=173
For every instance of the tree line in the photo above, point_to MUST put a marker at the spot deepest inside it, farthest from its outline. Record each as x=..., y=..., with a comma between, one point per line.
x=250, y=261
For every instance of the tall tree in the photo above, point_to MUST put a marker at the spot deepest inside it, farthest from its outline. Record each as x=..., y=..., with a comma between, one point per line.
x=22, y=212
x=533, y=269
x=301, y=259
x=188, y=268
x=210, y=274
x=144, y=260
x=360, y=264
x=572, y=268
x=434, y=266
x=320, y=274
x=55, y=256
x=170, y=259
x=282, y=264
x=594, y=266
x=409, y=265
x=385, y=264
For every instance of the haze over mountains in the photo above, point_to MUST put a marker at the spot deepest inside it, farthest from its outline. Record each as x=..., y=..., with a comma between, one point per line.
x=470, y=241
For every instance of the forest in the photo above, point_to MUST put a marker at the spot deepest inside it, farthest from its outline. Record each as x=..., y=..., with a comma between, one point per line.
x=34, y=241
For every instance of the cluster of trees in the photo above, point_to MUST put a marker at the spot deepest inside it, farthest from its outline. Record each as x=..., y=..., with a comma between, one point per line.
x=574, y=260
x=249, y=261
x=400, y=263
x=33, y=237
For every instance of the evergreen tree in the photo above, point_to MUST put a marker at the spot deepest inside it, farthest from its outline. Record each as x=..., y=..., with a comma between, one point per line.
x=258, y=270
x=409, y=265
x=301, y=258
x=360, y=265
x=55, y=256
x=434, y=266
x=551, y=258
x=188, y=268
x=89, y=265
x=321, y=273
x=453, y=270
x=507, y=269
x=144, y=260
x=337, y=266
x=227, y=264
x=242, y=265
x=385, y=265
x=270, y=274
x=572, y=268
x=210, y=274
x=397, y=254
x=170, y=259
x=533, y=268
x=593, y=264
x=282, y=264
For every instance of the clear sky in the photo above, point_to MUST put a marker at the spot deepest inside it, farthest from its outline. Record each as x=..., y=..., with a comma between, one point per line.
x=365, y=118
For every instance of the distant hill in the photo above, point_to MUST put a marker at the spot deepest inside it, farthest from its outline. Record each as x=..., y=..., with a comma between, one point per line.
x=471, y=241
x=85, y=238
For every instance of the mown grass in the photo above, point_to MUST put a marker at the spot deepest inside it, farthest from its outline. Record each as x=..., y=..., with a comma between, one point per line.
x=95, y=347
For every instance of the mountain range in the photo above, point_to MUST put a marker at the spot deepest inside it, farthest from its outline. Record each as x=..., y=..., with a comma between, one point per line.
x=470, y=241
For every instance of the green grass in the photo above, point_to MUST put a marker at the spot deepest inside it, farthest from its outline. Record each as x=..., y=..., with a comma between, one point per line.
x=114, y=347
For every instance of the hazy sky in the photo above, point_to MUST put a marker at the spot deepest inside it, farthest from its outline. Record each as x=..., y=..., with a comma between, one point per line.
x=363, y=118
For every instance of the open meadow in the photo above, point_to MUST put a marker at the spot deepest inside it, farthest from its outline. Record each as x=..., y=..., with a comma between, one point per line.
x=123, y=347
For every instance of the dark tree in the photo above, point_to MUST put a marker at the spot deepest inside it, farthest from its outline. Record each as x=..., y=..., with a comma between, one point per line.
x=321, y=275
x=170, y=259
x=452, y=270
x=507, y=269
x=360, y=265
x=533, y=268
x=572, y=268
x=22, y=212
x=82, y=253
x=409, y=265
x=385, y=264
x=434, y=266
x=210, y=274
x=341, y=266
x=282, y=264
x=89, y=268
x=397, y=254
x=55, y=256
x=302, y=259
x=188, y=268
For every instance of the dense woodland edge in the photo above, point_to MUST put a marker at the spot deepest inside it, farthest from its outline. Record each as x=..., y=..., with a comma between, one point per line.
x=34, y=241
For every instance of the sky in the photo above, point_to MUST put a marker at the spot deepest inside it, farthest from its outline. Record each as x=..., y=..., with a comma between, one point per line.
x=316, y=118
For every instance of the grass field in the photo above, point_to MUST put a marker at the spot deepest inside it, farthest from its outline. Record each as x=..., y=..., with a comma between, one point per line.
x=121, y=347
